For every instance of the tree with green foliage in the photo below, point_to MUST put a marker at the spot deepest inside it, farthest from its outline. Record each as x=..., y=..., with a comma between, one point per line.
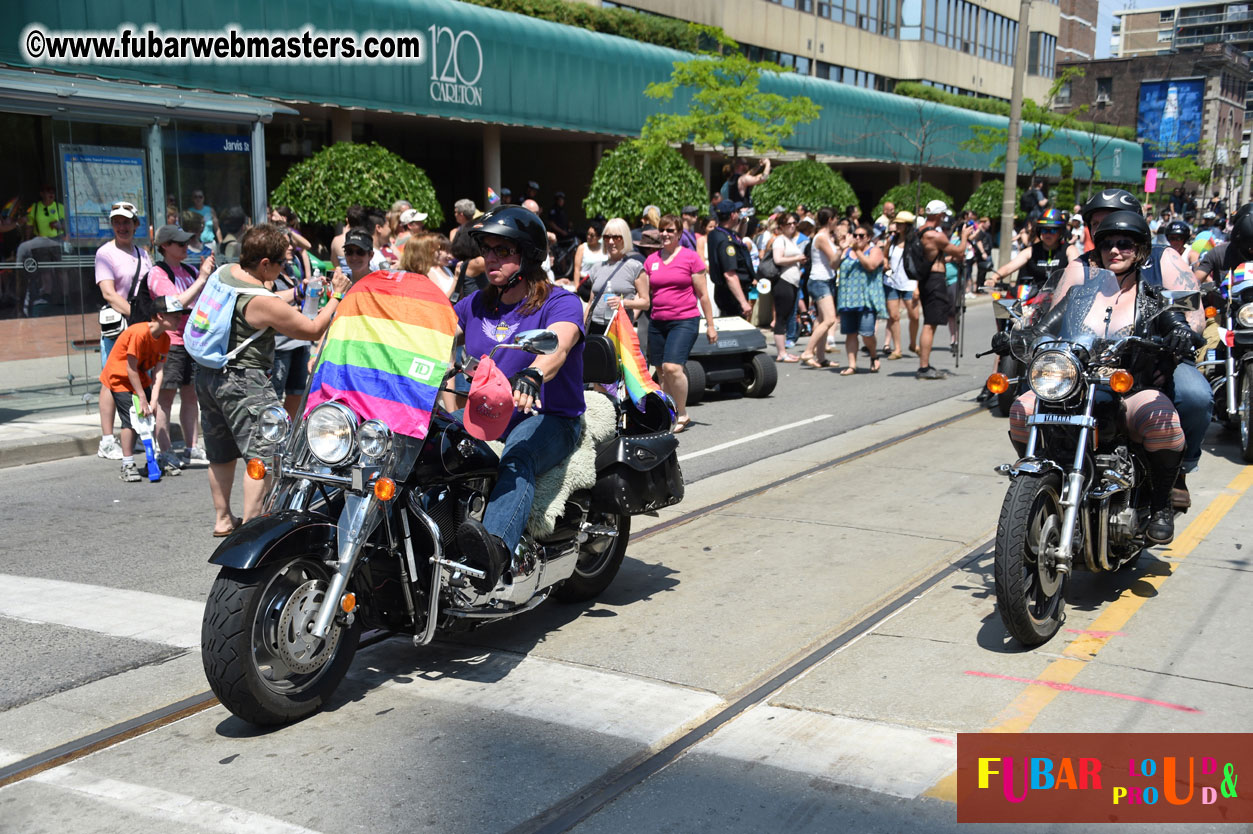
x=986, y=201
x=912, y=197
x=636, y=174
x=728, y=110
x=626, y=23
x=1064, y=194
x=920, y=142
x=1183, y=169
x=321, y=188
x=812, y=183
x=1046, y=123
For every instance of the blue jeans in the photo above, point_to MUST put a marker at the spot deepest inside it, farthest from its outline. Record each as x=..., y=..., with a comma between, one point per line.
x=1194, y=400
x=535, y=445
x=793, y=323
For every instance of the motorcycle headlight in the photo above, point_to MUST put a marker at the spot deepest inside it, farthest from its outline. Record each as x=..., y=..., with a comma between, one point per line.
x=329, y=432
x=273, y=423
x=1244, y=316
x=1054, y=375
x=374, y=438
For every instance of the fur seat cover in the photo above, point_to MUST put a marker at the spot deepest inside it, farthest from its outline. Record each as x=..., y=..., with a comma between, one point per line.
x=555, y=486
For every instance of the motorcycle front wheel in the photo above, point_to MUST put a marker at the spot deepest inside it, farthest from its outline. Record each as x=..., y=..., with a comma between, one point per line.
x=258, y=655
x=1246, y=414
x=598, y=560
x=1029, y=595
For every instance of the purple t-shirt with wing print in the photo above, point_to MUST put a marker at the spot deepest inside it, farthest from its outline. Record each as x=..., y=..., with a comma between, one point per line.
x=563, y=394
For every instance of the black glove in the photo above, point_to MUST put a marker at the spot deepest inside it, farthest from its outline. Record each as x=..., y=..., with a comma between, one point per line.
x=1000, y=343
x=1182, y=342
x=528, y=381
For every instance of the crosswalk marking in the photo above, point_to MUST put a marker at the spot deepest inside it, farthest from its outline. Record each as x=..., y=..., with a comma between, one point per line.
x=116, y=612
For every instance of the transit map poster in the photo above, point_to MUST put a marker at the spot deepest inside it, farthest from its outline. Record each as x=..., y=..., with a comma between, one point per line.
x=96, y=177
x=1168, y=123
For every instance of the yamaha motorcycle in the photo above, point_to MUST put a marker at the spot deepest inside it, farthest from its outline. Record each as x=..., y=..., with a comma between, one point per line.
x=1079, y=498
x=359, y=533
x=1226, y=361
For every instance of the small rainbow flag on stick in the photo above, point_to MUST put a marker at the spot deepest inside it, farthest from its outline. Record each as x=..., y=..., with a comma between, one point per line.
x=634, y=369
x=1203, y=243
x=492, y=197
x=387, y=351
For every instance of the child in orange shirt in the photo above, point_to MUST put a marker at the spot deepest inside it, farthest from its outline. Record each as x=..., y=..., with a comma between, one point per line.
x=136, y=361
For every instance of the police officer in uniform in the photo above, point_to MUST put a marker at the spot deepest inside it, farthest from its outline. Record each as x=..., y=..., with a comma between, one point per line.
x=730, y=267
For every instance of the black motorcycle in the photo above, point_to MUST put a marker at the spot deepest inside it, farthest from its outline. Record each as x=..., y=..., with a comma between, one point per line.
x=359, y=533
x=1226, y=361
x=1079, y=498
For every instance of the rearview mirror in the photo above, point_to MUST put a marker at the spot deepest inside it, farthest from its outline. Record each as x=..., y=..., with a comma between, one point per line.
x=537, y=341
x=1187, y=300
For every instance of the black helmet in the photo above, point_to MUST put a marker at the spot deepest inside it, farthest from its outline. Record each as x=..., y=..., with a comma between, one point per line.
x=1177, y=228
x=1131, y=224
x=1111, y=199
x=518, y=224
x=1241, y=238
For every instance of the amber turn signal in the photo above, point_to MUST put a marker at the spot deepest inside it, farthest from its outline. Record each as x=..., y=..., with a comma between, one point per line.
x=998, y=383
x=997, y=296
x=1121, y=382
x=384, y=489
x=348, y=602
x=1211, y=312
x=256, y=469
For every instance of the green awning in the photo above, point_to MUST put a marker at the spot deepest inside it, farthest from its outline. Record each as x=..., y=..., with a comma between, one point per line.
x=485, y=65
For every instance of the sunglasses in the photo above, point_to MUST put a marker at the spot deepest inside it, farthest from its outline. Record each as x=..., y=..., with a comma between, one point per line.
x=127, y=206
x=1050, y=231
x=181, y=243
x=1123, y=244
x=667, y=231
x=355, y=251
x=612, y=237
x=861, y=234
x=500, y=252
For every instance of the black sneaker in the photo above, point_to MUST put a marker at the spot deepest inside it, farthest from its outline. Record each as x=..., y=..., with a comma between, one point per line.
x=482, y=550
x=929, y=373
x=984, y=396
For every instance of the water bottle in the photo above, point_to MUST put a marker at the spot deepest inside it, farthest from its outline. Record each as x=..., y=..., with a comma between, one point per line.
x=314, y=296
x=605, y=299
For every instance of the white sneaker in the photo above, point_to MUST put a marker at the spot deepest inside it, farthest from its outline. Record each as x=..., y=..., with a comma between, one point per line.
x=109, y=450
x=196, y=457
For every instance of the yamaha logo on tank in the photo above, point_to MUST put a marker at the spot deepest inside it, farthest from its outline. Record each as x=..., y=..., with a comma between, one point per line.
x=456, y=66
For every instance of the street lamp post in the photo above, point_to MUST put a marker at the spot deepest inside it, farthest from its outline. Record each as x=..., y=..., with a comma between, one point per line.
x=1015, y=127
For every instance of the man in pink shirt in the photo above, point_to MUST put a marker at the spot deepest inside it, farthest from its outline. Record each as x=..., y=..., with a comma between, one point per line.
x=120, y=263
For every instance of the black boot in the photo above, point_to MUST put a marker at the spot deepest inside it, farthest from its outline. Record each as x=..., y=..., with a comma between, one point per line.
x=482, y=550
x=1180, y=496
x=1163, y=469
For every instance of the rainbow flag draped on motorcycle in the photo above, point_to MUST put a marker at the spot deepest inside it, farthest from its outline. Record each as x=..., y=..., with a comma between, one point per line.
x=387, y=351
x=634, y=369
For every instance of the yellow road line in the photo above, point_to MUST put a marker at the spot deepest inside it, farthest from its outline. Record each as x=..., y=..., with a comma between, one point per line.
x=1023, y=710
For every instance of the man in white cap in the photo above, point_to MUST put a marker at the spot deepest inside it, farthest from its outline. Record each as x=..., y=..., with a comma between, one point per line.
x=932, y=287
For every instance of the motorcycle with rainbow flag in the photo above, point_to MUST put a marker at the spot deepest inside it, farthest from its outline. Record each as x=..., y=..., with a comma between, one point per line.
x=370, y=484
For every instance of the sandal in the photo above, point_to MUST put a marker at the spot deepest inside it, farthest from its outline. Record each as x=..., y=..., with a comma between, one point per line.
x=787, y=357
x=895, y=355
x=681, y=424
x=848, y=372
x=874, y=367
x=235, y=522
x=811, y=362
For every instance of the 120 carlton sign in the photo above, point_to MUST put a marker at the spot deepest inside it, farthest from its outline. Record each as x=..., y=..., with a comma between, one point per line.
x=456, y=66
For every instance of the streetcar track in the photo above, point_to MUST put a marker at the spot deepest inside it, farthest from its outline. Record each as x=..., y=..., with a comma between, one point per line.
x=581, y=805
x=575, y=808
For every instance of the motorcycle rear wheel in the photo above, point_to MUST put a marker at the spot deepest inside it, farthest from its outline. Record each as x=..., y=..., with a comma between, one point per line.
x=1029, y=597
x=599, y=559
x=257, y=654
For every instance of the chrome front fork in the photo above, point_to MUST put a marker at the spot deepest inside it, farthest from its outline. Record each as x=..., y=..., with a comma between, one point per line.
x=350, y=536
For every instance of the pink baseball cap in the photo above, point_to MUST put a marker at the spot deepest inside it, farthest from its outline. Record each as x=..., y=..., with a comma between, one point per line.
x=489, y=405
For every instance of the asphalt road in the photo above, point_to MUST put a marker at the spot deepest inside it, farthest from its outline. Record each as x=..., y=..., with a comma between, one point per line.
x=796, y=660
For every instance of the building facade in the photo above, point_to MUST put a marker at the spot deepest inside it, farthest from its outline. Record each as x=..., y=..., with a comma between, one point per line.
x=1164, y=30
x=1076, y=30
x=1181, y=103
x=960, y=46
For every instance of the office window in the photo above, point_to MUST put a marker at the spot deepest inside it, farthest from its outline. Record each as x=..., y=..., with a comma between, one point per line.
x=1166, y=17
x=911, y=20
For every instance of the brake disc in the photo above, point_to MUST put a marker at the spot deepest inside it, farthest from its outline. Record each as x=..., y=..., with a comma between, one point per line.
x=1046, y=572
x=298, y=649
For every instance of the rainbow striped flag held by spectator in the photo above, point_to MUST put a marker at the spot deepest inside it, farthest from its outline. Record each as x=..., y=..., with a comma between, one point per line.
x=634, y=369
x=387, y=351
x=492, y=197
x=1203, y=243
